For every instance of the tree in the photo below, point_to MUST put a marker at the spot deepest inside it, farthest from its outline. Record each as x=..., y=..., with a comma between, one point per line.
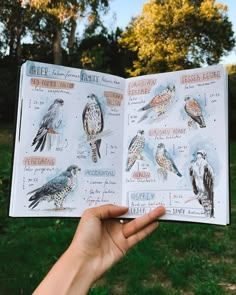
x=14, y=19
x=178, y=34
x=59, y=19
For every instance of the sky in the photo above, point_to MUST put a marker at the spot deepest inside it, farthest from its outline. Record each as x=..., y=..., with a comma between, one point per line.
x=124, y=10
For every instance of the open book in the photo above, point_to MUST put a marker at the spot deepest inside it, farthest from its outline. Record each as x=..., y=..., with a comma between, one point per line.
x=85, y=138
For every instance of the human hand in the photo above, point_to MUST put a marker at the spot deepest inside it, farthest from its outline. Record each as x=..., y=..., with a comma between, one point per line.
x=98, y=243
x=102, y=240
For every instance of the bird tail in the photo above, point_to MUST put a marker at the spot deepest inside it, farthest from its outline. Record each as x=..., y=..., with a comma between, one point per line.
x=35, y=201
x=145, y=116
x=130, y=163
x=98, y=143
x=179, y=174
x=146, y=107
x=202, y=123
x=94, y=151
x=40, y=139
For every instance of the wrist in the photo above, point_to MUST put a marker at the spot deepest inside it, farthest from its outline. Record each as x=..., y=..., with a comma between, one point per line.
x=70, y=275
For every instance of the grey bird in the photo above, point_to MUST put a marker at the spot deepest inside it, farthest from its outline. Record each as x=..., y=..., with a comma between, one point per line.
x=93, y=124
x=57, y=189
x=135, y=149
x=202, y=177
x=165, y=161
x=50, y=122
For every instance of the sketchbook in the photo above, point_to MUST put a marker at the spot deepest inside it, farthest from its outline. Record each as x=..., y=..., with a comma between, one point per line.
x=85, y=138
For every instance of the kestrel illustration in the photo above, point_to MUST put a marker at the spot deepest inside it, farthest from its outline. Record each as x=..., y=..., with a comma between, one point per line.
x=93, y=124
x=160, y=102
x=50, y=122
x=202, y=177
x=165, y=161
x=57, y=189
x=135, y=149
x=193, y=109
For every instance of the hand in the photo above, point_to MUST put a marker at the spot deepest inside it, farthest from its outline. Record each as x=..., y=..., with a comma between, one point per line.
x=98, y=243
x=103, y=240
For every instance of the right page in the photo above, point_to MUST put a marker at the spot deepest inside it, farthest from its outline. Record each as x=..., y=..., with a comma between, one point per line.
x=176, y=145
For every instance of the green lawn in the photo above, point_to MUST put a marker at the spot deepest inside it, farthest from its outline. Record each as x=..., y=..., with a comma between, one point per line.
x=179, y=258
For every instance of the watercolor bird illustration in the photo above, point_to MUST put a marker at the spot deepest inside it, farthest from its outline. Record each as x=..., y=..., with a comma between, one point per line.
x=165, y=161
x=135, y=149
x=57, y=189
x=202, y=177
x=93, y=123
x=194, y=111
x=159, y=103
x=49, y=124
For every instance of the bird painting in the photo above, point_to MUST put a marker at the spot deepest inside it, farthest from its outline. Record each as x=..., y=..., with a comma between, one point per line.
x=135, y=149
x=165, y=162
x=93, y=124
x=194, y=111
x=159, y=103
x=202, y=177
x=57, y=189
x=50, y=122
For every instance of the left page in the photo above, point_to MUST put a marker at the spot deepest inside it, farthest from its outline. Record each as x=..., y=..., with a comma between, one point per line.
x=68, y=143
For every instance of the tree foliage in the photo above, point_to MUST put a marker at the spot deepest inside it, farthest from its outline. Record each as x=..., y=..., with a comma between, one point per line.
x=178, y=34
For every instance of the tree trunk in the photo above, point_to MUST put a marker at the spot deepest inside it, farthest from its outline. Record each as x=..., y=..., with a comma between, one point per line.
x=71, y=40
x=57, y=54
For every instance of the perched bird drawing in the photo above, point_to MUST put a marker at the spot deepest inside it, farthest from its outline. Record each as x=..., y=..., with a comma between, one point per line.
x=159, y=103
x=93, y=125
x=135, y=149
x=202, y=177
x=165, y=161
x=194, y=111
x=50, y=122
x=57, y=189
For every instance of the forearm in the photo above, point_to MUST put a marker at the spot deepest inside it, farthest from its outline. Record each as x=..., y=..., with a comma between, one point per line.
x=69, y=275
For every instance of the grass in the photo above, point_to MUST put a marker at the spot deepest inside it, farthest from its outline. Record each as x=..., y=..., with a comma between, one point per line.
x=178, y=258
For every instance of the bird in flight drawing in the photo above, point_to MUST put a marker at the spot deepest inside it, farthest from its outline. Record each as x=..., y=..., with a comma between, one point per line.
x=93, y=124
x=165, y=161
x=49, y=124
x=57, y=189
x=202, y=177
x=194, y=111
x=135, y=149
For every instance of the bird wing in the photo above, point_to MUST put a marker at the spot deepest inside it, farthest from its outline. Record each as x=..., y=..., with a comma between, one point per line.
x=208, y=181
x=193, y=108
x=194, y=185
x=52, y=187
x=168, y=157
x=132, y=143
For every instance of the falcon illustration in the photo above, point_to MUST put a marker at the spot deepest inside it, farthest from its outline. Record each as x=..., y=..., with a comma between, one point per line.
x=57, y=189
x=93, y=124
x=165, y=161
x=160, y=102
x=193, y=109
x=135, y=149
x=51, y=121
x=202, y=177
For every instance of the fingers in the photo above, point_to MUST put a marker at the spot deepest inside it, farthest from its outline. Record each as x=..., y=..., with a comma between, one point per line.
x=140, y=223
x=143, y=233
x=107, y=211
